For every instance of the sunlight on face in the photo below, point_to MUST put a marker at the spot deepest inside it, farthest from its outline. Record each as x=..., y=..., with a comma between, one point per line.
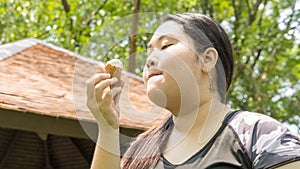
x=170, y=71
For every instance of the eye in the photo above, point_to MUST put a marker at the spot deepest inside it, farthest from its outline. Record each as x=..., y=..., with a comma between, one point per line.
x=165, y=46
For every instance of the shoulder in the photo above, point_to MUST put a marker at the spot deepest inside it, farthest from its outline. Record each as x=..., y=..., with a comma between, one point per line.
x=245, y=122
x=251, y=126
x=247, y=119
x=266, y=141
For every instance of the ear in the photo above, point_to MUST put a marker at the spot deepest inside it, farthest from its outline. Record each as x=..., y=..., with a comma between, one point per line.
x=209, y=59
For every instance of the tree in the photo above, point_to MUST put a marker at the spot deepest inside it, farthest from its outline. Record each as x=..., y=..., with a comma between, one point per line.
x=132, y=38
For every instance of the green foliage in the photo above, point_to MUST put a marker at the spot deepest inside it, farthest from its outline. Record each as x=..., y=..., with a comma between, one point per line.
x=263, y=35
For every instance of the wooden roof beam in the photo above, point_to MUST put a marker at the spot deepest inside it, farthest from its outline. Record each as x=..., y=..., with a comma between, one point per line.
x=45, y=124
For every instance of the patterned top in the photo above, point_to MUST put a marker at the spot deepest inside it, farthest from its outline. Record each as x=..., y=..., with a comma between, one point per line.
x=246, y=140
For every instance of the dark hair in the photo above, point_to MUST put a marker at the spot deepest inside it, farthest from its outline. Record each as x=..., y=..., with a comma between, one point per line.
x=146, y=150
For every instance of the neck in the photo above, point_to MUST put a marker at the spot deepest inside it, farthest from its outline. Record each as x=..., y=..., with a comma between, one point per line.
x=201, y=122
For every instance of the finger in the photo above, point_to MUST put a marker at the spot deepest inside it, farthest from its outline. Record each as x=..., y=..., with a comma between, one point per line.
x=116, y=93
x=106, y=106
x=100, y=76
x=116, y=89
x=96, y=78
x=99, y=88
x=101, y=67
x=106, y=102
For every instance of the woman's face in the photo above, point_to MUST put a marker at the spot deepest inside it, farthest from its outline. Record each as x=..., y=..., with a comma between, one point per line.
x=172, y=69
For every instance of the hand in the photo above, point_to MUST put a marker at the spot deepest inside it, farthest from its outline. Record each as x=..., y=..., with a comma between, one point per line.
x=102, y=107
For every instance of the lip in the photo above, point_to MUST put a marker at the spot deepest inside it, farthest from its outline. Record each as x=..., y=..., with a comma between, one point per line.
x=153, y=74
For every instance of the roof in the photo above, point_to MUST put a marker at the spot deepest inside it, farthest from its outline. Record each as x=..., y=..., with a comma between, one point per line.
x=46, y=80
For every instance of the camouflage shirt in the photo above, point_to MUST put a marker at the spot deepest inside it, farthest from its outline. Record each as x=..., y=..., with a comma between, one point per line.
x=245, y=140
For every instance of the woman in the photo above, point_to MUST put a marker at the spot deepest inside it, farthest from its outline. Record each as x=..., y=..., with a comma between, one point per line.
x=188, y=70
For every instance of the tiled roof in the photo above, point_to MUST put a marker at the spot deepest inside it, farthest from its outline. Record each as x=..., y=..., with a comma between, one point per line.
x=47, y=80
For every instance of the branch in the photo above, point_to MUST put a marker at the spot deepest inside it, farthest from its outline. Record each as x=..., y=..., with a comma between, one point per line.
x=211, y=10
x=66, y=6
x=259, y=51
x=95, y=12
x=262, y=12
x=89, y=21
x=252, y=11
x=256, y=58
x=273, y=52
x=255, y=9
x=291, y=16
x=236, y=21
x=249, y=9
x=208, y=8
x=252, y=17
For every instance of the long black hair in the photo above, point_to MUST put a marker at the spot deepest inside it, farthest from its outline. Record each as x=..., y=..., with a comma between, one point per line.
x=147, y=149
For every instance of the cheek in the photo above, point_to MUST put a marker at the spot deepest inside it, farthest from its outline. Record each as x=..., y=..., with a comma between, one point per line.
x=181, y=78
x=145, y=72
x=177, y=69
x=171, y=86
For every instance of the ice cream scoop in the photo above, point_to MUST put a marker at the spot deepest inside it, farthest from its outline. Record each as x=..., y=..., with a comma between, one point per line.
x=114, y=67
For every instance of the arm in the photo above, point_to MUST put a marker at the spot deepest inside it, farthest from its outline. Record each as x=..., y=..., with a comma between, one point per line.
x=293, y=165
x=268, y=142
x=107, y=150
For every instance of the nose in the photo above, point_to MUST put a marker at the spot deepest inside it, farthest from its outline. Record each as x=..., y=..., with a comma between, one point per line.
x=151, y=61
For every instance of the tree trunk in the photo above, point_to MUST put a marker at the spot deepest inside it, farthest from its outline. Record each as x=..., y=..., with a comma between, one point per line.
x=132, y=42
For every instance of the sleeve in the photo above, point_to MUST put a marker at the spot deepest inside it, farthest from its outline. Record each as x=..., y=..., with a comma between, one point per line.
x=273, y=145
x=268, y=143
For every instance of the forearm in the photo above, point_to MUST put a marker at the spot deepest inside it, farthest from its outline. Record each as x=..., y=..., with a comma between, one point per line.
x=293, y=165
x=107, y=151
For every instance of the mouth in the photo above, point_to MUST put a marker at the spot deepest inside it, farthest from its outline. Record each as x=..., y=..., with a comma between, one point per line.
x=153, y=74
